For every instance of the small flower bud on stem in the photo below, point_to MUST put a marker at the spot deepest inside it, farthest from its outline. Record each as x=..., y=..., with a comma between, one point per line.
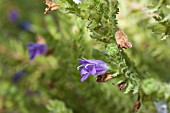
x=103, y=78
x=122, y=39
x=137, y=105
x=122, y=85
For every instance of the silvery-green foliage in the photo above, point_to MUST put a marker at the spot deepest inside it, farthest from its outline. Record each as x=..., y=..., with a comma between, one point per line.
x=85, y=30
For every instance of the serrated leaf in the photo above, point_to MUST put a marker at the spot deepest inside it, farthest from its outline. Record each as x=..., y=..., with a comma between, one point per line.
x=136, y=89
x=128, y=87
x=119, y=81
x=115, y=74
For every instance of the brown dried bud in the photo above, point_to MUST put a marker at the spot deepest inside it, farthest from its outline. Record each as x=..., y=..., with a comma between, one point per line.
x=136, y=106
x=51, y=6
x=40, y=39
x=49, y=52
x=103, y=78
x=122, y=85
x=122, y=39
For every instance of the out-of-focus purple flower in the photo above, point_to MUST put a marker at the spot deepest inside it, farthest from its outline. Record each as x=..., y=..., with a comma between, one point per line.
x=13, y=16
x=36, y=49
x=18, y=75
x=77, y=1
x=93, y=67
x=25, y=25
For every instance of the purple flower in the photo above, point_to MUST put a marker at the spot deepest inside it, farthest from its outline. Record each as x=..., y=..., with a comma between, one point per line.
x=93, y=67
x=25, y=25
x=18, y=75
x=13, y=16
x=36, y=49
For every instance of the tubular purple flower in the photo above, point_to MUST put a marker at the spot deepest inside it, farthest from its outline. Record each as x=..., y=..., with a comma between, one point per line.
x=91, y=67
x=36, y=49
x=13, y=16
x=25, y=25
x=18, y=75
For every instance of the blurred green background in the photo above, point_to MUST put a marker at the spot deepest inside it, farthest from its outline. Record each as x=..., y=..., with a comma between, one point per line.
x=51, y=84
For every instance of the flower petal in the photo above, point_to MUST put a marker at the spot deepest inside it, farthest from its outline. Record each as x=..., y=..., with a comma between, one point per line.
x=83, y=71
x=42, y=48
x=93, y=71
x=36, y=49
x=84, y=77
x=30, y=45
x=101, y=69
x=78, y=68
x=96, y=61
x=83, y=61
x=91, y=68
x=32, y=56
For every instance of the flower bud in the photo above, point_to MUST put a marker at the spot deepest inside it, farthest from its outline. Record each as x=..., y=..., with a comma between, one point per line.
x=40, y=39
x=51, y=6
x=122, y=85
x=103, y=78
x=122, y=39
x=136, y=106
